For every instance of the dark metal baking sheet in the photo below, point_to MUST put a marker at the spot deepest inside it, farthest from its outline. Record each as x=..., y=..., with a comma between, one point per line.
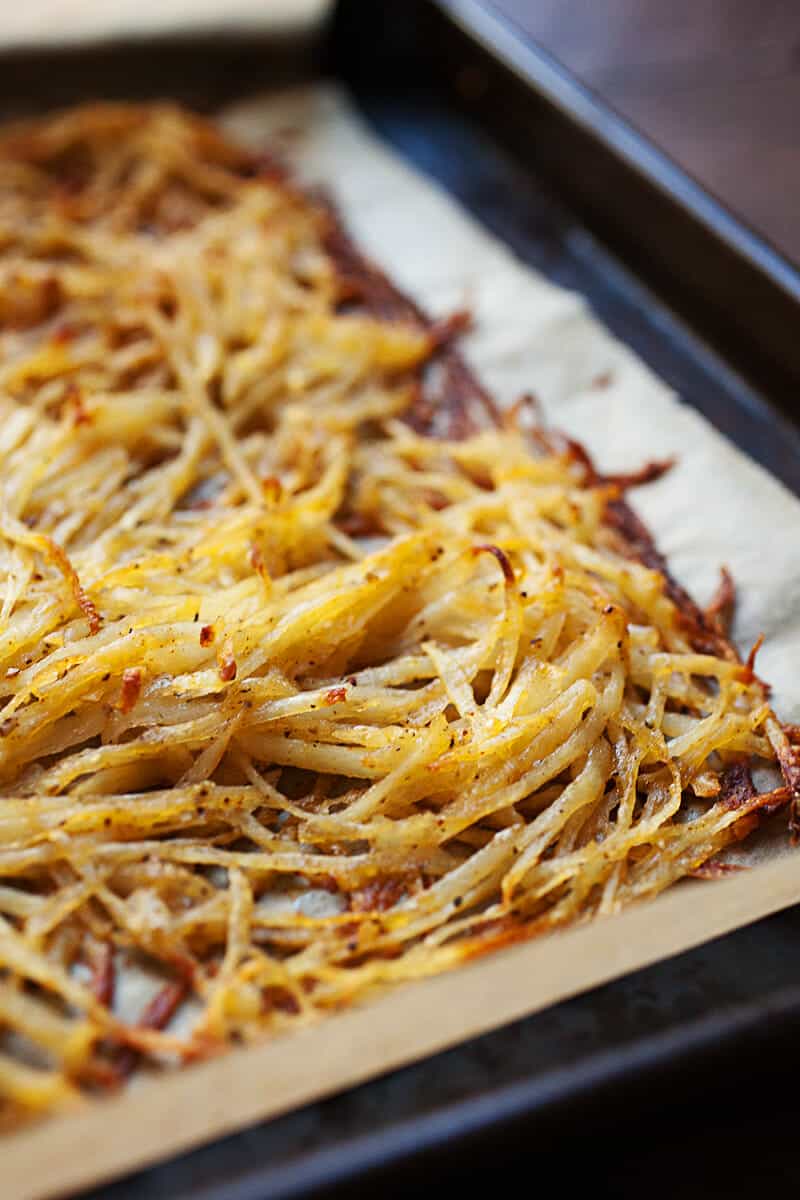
x=672, y=1043
x=730, y=281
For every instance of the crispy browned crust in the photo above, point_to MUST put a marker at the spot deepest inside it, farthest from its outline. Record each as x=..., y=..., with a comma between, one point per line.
x=722, y=605
x=736, y=786
x=103, y=979
x=637, y=541
x=155, y=1015
x=450, y=402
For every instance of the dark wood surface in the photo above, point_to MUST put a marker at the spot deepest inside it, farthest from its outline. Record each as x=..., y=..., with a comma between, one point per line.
x=714, y=83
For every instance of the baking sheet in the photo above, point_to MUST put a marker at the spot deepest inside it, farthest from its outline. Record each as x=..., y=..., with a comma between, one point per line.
x=714, y=507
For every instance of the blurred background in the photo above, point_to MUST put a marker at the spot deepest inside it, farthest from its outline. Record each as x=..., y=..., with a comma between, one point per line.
x=714, y=83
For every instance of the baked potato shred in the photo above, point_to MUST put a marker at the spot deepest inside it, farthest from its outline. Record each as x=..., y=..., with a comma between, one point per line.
x=315, y=673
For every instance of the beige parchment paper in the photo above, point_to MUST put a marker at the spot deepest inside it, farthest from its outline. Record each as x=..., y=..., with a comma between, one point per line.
x=714, y=507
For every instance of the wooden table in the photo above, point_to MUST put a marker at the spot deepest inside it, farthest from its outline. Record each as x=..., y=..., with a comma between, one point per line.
x=714, y=83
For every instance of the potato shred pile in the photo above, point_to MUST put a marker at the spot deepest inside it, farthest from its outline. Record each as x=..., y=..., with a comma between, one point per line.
x=315, y=673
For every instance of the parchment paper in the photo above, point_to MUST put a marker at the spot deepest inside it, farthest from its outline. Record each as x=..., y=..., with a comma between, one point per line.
x=714, y=507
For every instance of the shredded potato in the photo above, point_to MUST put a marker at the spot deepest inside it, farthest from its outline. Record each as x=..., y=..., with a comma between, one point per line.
x=312, y=679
